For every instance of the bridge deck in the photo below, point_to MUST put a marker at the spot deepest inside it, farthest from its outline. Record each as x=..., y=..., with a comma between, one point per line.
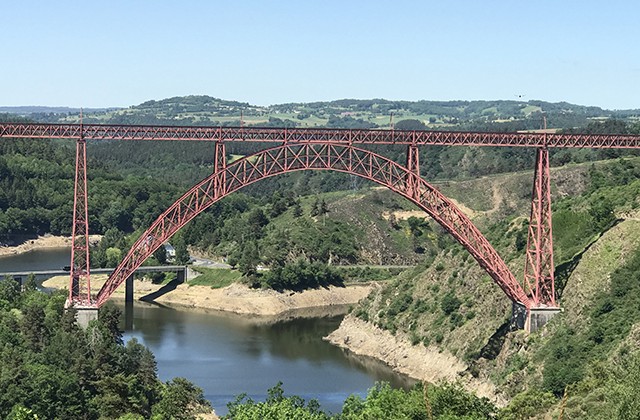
x=315, y=135
x=51, y=273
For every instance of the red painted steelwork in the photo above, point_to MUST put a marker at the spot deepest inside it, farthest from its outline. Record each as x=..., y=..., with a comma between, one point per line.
x=79, y=281
x=413, y=166
x=296, y=157
x=539, y=268
x=219, y=166
x=316, y=135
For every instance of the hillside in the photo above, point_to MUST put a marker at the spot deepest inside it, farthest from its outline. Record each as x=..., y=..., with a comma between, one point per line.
x=347, y=113
x=449, y=306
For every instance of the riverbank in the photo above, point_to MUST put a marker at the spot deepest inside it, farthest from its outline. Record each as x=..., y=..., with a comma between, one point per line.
x=430, y=364
x=42, y=242
x=240, y=299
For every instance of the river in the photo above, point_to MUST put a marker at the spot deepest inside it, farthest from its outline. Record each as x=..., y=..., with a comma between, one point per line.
x=227, y=354
x=37, y=260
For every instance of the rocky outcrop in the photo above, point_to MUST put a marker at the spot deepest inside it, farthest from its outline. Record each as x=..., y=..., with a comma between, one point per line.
x=429, y=364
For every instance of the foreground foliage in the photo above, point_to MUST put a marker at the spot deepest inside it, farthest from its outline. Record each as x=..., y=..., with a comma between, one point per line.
x=50, y=368
x=446, y=401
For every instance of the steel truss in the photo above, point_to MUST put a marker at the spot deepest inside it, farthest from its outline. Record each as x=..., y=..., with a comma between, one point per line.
x=539, y=268
x=315, y=135
x=79, y=281
x=312, y=156
x=325, y=149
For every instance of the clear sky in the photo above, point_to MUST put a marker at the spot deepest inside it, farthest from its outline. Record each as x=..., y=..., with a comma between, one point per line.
x=124, y=52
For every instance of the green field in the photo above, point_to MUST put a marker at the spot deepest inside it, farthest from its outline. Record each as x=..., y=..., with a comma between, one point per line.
x=214, y=277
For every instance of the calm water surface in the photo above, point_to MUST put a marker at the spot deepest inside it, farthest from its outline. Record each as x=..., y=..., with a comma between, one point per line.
x=37, y=260
x=227, y=355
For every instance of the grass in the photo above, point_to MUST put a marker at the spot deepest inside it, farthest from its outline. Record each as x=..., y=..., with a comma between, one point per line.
x=233, y=158
x=169, y=277
x=215, y=277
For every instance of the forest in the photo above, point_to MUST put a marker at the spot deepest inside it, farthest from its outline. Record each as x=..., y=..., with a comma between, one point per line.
x=51, y=368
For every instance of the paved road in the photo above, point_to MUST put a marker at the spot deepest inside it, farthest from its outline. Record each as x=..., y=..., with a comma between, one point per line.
x=203, y=262
x=45, y=274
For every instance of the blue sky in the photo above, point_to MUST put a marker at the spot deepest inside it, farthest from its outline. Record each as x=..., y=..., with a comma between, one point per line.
x=121, y=53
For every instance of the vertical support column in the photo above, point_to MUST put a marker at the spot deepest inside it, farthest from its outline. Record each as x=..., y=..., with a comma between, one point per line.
x=128, y=316
x=219, y=166
x=181, y=275
x=128, y=289
x=539, y=267
x=80, y=284
x=413, y=165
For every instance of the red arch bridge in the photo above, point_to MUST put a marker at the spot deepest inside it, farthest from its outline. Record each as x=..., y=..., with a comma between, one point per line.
x=295, y=149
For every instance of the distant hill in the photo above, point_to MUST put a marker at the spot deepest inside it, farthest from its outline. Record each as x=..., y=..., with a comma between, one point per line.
x=497, y=115
x=29, y=110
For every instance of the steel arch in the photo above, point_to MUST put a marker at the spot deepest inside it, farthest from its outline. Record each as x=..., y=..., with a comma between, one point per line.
x=316, y=156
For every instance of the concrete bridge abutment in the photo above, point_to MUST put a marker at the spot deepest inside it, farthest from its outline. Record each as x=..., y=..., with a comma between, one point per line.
x=84, y=314
x=533, y=319
x=538, y=317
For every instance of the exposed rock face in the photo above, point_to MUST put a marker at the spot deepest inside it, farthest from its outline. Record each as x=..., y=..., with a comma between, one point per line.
x=428, y=364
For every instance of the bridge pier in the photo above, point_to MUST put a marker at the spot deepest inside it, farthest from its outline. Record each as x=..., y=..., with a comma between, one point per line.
x=538, y=317
x=128, y=289
x=181, y=275
x=85, y=314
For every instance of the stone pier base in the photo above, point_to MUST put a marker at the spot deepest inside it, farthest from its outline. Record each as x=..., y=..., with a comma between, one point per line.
x=128, y=289
x=538, y=317
x=85, y=314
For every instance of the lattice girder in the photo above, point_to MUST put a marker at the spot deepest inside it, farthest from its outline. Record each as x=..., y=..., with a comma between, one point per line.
x=313, y=156
x=539, y=267
x=79, y=279
x=315, y=135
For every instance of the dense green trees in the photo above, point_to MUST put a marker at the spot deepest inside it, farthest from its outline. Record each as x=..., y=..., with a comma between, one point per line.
x=272, y=230
x=276, y=407
x=445, y=401
x=52, y=369
x=300, y=275
x=36, y=192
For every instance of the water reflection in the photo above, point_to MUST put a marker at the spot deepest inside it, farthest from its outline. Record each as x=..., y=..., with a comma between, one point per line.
x=229, y=354
x=36, y=260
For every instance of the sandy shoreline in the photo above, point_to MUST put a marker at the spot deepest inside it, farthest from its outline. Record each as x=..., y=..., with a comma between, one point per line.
x=41, y=242
x=430, y=364
x=240, y=299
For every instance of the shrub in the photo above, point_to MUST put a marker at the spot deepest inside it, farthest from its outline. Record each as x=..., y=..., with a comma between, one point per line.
x=450, y=303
